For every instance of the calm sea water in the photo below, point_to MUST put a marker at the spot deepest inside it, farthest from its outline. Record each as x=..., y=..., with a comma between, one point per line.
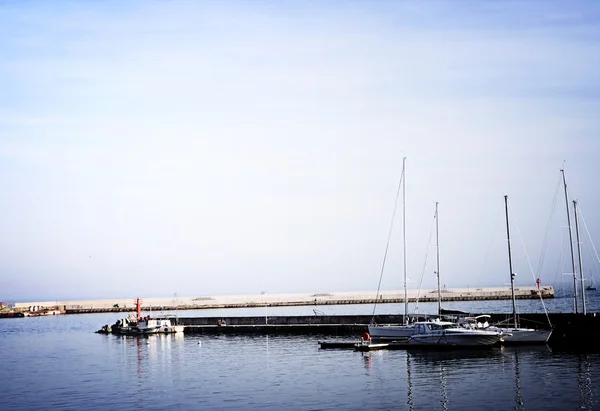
x=59, y=363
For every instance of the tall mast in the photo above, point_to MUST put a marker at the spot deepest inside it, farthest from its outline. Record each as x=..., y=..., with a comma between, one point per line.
x=580, y=259
x=512, y=275
x=404, y=236
x=571, y=244
x=437, y=241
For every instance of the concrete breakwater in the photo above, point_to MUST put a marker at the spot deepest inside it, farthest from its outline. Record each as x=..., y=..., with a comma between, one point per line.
x=296, y=299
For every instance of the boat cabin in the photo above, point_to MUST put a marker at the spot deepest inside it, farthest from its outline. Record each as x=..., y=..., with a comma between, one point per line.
x=427, y=327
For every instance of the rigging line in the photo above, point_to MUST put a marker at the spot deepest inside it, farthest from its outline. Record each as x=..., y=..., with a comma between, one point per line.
x=425, y=263
x=487, y=253
x=595, y=265
x=591, y=242
x=588, y=234
x=545, y=242
x=528, y=262
x=387, y=246
x=561, y=264
x=489, y=244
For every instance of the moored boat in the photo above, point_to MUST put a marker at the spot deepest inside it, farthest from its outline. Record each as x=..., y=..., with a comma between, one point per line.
x=443, y=333
x=138, y=325
x=396, y=332
x=514, y=334
x=391, y=332
x=510, y=335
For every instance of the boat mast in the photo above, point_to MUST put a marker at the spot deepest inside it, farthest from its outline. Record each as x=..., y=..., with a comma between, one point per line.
x=404, y=236
x=512, y=275
x=571, y=244
x=580, y=259
x=437, y=241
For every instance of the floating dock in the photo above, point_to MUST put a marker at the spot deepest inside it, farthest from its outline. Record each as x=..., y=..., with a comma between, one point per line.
x=372, y=347
x=343, y=345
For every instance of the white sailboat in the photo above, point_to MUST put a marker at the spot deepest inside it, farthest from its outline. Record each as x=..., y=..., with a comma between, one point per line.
x=397, y=332
x=516, y=334
x=591, y=286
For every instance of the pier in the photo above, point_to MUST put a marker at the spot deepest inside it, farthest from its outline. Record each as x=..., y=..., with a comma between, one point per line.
x=126, y=304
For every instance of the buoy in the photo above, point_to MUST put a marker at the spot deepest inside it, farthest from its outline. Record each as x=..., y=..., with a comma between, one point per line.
x=366, y=337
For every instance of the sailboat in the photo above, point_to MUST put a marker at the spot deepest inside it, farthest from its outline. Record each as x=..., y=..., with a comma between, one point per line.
x=516, y=334
x=592, y=286
x=436, y=333
x=397, y=332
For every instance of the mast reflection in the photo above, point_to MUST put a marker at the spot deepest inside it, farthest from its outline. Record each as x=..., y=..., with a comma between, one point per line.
x=584, y=382
x=518, y=397
x=409, y=383
x=437, y=366
x=444, y=400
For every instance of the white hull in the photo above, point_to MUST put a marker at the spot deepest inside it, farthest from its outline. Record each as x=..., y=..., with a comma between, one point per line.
x=524, y=335
x=156, y=327
x=461, y=339
x=511, y=335
x=391, y=332
x=440, y=333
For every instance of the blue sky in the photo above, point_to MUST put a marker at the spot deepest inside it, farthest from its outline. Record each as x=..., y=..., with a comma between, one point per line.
x=233, y=147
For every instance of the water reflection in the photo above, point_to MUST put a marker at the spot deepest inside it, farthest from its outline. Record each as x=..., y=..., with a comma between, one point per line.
x=410, y=400
x=584, y=382
x=444, y=400
x=140, y=373
x=367, y=360
x=452, y=356
x=518, y=397
x=432, y=368
x=79, y=371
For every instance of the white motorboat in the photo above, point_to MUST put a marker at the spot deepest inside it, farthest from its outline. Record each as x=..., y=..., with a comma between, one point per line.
x=147, y=325
x=443, y=333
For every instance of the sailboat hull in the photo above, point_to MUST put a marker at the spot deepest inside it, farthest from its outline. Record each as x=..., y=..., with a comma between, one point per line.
x=391, y=332
x=524, y=336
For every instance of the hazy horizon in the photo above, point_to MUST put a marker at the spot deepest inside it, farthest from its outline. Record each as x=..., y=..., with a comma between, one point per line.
x=211, y=148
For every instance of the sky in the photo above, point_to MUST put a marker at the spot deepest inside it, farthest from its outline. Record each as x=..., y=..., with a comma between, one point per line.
x=149, y=148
